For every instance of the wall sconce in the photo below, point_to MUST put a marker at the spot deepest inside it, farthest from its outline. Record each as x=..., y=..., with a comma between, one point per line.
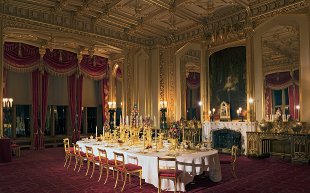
x=7, y=102
x=163, y=104
x=298, y=112
x=112, y=105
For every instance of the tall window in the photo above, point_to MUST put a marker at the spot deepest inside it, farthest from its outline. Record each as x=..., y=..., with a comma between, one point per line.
x=91, y=119
x=22, y=120
x=281, y=100
x=60, y=120
x=48, y=123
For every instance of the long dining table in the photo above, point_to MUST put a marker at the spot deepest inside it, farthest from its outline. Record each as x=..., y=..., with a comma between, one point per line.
x=191, y=162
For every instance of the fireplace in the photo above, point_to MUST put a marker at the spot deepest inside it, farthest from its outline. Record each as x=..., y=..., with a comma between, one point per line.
x=224, y=139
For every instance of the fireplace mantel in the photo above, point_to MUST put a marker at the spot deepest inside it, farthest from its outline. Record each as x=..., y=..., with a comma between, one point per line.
x=242, y=127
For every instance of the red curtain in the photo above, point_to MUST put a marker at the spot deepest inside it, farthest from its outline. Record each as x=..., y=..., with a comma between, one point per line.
x=105, y=97
x=21, y=57
x=71, y=80
x=35, y=106
x=79, y=105
x=44, y=90
x=268, y=101
x=94, y=67
x=193, y=80
x=60, y=62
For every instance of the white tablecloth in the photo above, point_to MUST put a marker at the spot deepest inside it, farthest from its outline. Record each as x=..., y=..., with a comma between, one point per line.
x=190, y=163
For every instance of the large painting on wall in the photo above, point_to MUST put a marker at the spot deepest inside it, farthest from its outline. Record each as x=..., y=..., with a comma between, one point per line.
x=228, y=79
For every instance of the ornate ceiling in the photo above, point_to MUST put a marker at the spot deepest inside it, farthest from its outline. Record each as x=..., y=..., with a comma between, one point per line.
x=280, y=47
x=108, y=26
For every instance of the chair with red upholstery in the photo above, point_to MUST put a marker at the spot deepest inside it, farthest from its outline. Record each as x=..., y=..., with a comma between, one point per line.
x=79, y=156
x=106, y=163
x=91, y=159
x=69, y=152
x=126, y=169
x=231, y=160
x=170, y=171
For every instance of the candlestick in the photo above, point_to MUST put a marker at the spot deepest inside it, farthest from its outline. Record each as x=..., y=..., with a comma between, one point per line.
x=103, y=130
x=143, y=139
x=183, y=137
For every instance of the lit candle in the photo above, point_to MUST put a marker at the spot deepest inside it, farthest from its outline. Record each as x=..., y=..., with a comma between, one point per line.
x=96, y=131
x=114, y=119
x=127, y=120
x=213, y=110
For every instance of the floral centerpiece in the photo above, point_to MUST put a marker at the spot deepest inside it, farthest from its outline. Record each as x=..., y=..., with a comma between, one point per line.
x=174, y=131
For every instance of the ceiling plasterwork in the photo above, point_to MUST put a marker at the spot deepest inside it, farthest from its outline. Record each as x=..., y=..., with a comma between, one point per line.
x=126, y=23
x=280, y=46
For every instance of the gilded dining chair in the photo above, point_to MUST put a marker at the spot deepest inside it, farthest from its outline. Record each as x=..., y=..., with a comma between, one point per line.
x=231, y=160
x=125, y=169
x=79, y=156
x=91, y=159
x=106, y=163
x=69, y=152
x=170, y=172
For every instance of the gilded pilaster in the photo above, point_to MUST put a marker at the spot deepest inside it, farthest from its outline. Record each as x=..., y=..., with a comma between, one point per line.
x=172, y=85
x=203, y=83
x=207, y=73
x=250, y=77
x=1, y=75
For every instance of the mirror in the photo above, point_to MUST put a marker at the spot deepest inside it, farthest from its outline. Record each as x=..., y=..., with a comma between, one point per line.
x=118, y=77
x=280, y=57
x=190, y=67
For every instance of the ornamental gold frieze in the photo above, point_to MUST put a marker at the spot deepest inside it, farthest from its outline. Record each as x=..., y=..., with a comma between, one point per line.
x=161, y=74
x=264, y=12
x=172, y=85
x=68, y=21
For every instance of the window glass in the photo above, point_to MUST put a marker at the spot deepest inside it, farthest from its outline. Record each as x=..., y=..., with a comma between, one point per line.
x=22, y=120
x=91, y=120
x=48, y=122
x=60, y=120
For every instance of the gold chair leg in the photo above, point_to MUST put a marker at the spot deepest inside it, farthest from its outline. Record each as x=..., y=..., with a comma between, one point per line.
x=81, y=163
x=93, y=170
x=69, y=162
x=88, y=164
x=175, y=185
x=100, y=170
x=76, y=162
x=159, y=184
x=66, y=159
x=233, y=171
x=140, y=174
x=106, y=179
x=116, y=179
x=125, y=174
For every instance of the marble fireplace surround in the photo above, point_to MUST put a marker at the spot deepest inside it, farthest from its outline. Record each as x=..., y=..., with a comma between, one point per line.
x=241, y=127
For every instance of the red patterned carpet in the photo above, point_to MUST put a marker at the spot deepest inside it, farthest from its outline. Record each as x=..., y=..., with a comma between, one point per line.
x=43, y=171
